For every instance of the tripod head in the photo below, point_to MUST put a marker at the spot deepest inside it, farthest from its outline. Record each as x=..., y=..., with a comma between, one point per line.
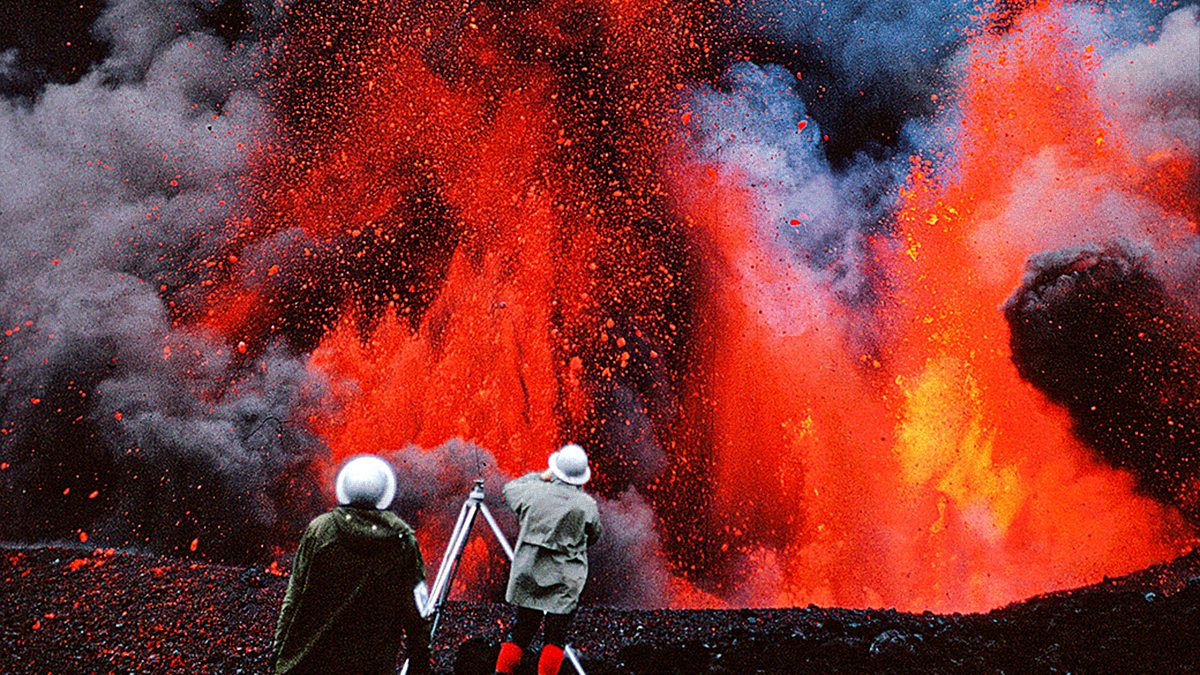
x=476, y=494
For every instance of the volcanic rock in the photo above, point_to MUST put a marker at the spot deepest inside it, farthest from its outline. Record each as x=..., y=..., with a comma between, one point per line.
x=89, y=610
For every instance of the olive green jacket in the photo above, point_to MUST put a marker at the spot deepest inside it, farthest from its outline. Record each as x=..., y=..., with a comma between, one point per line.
x=350, y=600
x=550, y=564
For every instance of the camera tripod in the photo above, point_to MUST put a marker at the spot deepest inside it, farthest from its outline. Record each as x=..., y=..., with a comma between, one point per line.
x=453, y=555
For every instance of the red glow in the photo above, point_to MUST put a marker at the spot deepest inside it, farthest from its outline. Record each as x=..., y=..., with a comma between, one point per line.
x=934, y=477
x=923, y=474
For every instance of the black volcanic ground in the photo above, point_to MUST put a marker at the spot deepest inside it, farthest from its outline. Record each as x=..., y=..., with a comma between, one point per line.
x=81, y=610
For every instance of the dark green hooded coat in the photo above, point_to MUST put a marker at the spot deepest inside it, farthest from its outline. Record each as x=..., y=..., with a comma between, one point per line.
x=350, y=600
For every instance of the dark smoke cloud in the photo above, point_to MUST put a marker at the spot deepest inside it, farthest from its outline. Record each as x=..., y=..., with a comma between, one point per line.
x=626, y=568
x=116, y=421
x=1096, y=331
x=886, y=46
x=865, y=69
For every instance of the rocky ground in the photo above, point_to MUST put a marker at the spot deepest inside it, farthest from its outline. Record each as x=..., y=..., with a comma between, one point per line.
x=78, y=610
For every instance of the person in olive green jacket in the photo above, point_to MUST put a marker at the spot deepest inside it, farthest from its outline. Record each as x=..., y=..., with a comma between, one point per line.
x=353, y=594
x=550, y=565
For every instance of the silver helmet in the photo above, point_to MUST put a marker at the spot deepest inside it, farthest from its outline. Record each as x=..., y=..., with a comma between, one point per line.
x=570, y=465
x=367, y=481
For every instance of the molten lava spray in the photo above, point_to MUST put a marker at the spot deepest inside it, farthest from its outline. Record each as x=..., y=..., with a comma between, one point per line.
x=751, y=261
x=924, y=472
x=608, y=279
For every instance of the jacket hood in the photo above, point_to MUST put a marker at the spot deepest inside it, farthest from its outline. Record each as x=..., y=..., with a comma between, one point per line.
x=369, y=530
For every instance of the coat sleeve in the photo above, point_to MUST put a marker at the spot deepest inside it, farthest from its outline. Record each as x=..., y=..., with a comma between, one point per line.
x=295, y=590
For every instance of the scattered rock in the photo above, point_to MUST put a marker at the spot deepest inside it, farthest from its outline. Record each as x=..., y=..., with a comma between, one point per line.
x=138, y=613
x=894, y=643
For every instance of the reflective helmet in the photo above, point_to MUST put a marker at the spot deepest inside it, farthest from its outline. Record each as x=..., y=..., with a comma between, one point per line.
x=366, y=481
x=570, y=465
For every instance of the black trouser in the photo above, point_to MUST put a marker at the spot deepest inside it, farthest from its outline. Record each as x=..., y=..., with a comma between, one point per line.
x=528, y=621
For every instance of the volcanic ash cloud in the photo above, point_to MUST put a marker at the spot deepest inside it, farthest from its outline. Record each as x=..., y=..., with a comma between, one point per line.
x=121, y=426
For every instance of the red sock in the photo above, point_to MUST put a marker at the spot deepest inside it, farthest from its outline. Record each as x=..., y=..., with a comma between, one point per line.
x=510, y=656
x=551, y=660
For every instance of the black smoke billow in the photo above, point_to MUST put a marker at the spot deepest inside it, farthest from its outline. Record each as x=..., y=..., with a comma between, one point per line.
x=1096, y=331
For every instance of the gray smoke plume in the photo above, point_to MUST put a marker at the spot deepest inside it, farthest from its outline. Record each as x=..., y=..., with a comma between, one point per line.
x=810, y=220
x=1155, y=88
x=117, y=421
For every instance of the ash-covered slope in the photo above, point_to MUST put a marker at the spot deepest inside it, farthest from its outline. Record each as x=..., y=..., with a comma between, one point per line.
x=78, y=610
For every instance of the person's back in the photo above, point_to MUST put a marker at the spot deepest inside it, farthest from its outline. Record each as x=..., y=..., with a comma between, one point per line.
x=550, y=565
x=350, y=599
x=558, y=522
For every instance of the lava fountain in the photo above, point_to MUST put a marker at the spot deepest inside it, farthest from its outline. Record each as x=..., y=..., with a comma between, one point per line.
x=787, y=313
x=924, y=472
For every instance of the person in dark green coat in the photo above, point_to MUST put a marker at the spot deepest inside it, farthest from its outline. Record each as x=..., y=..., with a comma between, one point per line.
x=559, y=521
x=356, y=578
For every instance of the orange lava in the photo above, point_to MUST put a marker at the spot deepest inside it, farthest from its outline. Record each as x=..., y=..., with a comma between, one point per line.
x=929, y=476
x=922, y=473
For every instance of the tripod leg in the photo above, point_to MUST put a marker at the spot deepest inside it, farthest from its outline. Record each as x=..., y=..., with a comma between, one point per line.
x=444, y=568
x=454, y=553
x=445, y=575
x=503, y=540
x=569, y=651
x=459, y=547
